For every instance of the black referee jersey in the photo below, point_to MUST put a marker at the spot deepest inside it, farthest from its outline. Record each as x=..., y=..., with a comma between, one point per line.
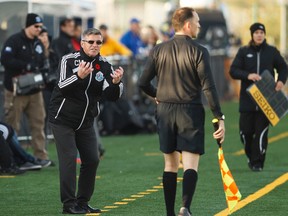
x=182, y=68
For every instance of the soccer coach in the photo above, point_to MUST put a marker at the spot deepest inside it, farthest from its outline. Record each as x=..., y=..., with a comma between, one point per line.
x=85, y=77
x=182, y=68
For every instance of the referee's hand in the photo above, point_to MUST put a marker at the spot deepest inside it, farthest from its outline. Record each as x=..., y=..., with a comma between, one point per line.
x=220, y=133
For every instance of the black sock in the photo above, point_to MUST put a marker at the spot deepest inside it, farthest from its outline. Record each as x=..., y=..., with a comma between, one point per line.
x=170, y=185
x=190, y=177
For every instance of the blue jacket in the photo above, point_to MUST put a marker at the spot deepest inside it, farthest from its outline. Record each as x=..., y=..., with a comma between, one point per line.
x=132, y=41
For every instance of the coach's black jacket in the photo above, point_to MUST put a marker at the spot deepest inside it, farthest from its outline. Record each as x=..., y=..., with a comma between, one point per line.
x=18, y=52
x=256, y=59
x=74, y=101
x=182, y=68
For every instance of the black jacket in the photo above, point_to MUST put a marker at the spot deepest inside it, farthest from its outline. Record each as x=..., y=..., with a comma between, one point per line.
x=18, y=52
x=74, y=101
x=182, y=68
x=62, y=45
x=252, y=59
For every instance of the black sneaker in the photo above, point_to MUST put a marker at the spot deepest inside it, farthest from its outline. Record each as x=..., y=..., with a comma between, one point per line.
x=11, y=171
x=30, y=166
x=43, y=163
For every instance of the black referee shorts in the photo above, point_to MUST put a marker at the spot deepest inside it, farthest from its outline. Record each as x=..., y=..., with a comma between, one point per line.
x=180, y=127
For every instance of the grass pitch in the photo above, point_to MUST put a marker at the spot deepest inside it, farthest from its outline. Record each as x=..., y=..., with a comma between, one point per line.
x=129, y=178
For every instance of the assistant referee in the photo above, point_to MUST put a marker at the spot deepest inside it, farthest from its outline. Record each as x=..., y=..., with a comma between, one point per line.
x=182, y=68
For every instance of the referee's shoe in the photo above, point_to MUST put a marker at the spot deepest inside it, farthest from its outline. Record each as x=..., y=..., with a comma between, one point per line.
x=184, y=212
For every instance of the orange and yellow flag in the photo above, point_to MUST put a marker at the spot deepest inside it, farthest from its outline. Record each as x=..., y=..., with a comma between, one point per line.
x=232, y=193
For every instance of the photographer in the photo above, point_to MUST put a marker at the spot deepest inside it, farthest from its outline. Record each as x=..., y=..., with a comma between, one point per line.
x=22, y=56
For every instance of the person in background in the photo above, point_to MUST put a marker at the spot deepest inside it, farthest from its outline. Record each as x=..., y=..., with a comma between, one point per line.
x=49, y=71
x=76, y=39
x=166, y=32
x=182, y=67
x=23, y=53
x=149, y=37
x=63, y=44
x=85, y=78
x=132, y=38
x=7, y=164
x=12, y=156
x=115, y=52
x=110, y=46
x=248, y=65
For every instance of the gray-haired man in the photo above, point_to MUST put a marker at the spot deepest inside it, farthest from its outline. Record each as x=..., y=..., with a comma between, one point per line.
x=84, y=78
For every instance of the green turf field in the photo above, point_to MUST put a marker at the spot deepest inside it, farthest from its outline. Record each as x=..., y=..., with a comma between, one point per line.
x=129, y=177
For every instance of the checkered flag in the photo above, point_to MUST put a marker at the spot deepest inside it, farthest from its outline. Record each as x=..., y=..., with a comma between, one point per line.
x=232, y=193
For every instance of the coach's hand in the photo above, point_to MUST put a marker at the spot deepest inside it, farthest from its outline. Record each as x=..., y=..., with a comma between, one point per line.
x=220, y=133
x=117, y=75
x=85, y=68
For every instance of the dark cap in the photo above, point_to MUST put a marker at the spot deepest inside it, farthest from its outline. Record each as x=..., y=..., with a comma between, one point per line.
x=32, y=19
x=257, y=26
x=134, y=20
x=103, y=27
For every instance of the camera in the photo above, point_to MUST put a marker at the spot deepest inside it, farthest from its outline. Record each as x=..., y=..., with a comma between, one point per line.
x=48, y=76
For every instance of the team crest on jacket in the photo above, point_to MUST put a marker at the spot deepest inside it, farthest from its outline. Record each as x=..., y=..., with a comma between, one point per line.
x=99, y=76
x=39, y=49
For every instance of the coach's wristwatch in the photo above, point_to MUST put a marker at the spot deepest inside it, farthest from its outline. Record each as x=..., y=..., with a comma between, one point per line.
x=222, y=118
